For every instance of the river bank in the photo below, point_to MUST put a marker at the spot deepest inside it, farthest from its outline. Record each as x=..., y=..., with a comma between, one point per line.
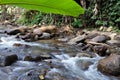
x=49, y=53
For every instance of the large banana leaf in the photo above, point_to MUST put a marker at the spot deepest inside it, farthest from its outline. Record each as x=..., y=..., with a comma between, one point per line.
x=64, y=7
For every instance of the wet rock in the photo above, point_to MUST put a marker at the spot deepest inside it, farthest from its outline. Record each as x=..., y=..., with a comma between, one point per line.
x=100, y=39
x=58, y=76
x=8, y=59
x=17, y=44
x=80, y=44
x=28, y=58
x=113, y=43
x=101, y=50
x=63, y=39
x=87, y=47
x=21, y=45
x=45, y=36
x=15, y=31
x=78, y=39
x=31, y=75
x=37, y=58
x=83, y=55
x=3, y=75
x=83, y=64
x=33, y=72
x=110, y=65
x=29, y=37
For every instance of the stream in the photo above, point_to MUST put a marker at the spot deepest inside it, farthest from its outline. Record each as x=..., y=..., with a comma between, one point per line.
x=65, y=64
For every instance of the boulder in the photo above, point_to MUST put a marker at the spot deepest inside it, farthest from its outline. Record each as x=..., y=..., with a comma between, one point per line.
x=36, y=58
x=100, y=39
x=117, y=37
x=8, y=59
x=63, y=39
x=37, y=31
x=92, y=35
x=101, y=50
x=34, y=73
x=84, y=64
x=102, y=28
x=78, y=39
x=48, y=29
x=83, y=55
x=87, y=47
x=63, y=75
x=21, y=45
x=45, y=36
x=112, y=35
x=80, y=44
x=113, y=43
x=31, y=75
x=110, y=65
x=28, y=37
x=15, y=31
x=109, y=29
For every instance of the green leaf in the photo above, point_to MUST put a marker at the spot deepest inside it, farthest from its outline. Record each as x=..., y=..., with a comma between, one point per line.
x=64, y=7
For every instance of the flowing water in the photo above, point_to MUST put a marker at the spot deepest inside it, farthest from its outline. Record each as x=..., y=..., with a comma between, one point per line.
x=66, y=65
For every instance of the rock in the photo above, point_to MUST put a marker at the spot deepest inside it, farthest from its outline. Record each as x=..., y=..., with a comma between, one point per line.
x=48, y=29
x=33, y=72
x=66, y=30
x=8, y=59
x=112, y=35
x=17, y=44
x=78, y=39
x=113, y=43
x=55, y=75
x=21, y=45
x=29, y=36
x=109, y=29
x=36, y=58
x=63, y=39
x=101, y=50
x=86, y=47
x=92, y=35
x=100, y=39
x=83, y=55
x=80, y=33
x=117, y=37
x=84, y=64
x=110, y=65
x=37, y=31
x=15, y=31
x=31, y=75
x=80, y=44
x=45, y=36
x=103, y=28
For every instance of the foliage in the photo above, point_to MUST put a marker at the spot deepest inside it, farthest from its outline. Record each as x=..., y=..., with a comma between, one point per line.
x=109, y=14
x=64, y=7
x=77, y=23
x=32, y=17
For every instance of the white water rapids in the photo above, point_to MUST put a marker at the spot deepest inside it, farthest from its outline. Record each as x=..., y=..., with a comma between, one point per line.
x=70, y=63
